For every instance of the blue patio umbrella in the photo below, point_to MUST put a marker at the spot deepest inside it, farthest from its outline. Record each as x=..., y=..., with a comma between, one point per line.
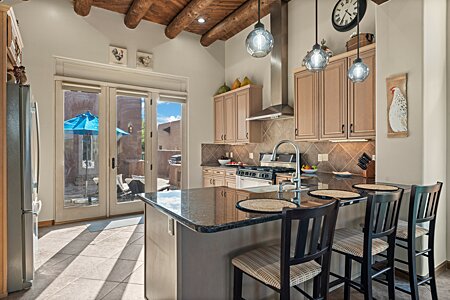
x=86, y=124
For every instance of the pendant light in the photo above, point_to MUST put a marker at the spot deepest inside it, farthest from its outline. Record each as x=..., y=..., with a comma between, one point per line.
x=259, y=41
x=359, y=71
x=317, y=59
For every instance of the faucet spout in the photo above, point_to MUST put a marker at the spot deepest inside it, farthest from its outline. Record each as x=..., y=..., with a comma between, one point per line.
x=297, y=178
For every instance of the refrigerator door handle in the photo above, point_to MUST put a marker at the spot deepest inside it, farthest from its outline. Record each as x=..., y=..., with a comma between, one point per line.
x=38, y=144
x=27, y=255
x=39, y=207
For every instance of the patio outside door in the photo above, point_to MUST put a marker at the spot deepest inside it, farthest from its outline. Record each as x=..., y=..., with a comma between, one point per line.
x=103, y=151
x=130, y=154
x=80, y=152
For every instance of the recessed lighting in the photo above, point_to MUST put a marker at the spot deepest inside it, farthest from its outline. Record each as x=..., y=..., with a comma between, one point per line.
x=201, y=20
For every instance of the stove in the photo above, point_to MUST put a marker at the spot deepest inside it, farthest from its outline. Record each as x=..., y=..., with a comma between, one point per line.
x=255, y=176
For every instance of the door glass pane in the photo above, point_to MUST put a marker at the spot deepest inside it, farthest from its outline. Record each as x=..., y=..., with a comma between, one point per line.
x=130, y=137
x=81, y=157
x=169, y=145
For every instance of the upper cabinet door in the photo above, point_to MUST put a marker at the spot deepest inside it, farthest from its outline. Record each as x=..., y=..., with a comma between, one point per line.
x=229, y=104
x=242, y=99
x=362, y=100
x=219, y=111
x=306, y=106
x=333, y=101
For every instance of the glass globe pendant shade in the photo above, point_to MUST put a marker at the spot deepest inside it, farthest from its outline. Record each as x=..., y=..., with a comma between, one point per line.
x=317, y=59
x=259, y=41
x=359, y=71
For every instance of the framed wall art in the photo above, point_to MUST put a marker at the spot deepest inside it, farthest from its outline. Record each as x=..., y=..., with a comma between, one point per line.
x=397, y=105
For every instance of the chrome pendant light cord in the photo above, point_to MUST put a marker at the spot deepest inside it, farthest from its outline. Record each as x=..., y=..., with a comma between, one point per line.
x=357, y=30
x=317, y=22
x=259, y=11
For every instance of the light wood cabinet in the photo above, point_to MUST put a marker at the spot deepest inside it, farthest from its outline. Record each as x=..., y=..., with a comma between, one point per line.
x=231, y=111
x=328, y=106
x=362, y=101
x=306, y=106
x=333, y=101
x=217, y=176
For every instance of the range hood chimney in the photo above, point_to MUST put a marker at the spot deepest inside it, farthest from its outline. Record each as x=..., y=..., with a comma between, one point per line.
x=278, y=66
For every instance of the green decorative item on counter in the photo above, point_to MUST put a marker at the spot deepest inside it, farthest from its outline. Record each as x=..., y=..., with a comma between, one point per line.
x=223, y=89
x=246, y=81
x=236, y=84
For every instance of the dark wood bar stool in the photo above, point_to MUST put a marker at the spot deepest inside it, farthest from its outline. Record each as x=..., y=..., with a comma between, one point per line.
x=423, y=207
x=380, y=225
x=279, y=268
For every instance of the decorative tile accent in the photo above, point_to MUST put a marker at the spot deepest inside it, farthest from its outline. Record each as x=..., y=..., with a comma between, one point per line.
x=341, y=156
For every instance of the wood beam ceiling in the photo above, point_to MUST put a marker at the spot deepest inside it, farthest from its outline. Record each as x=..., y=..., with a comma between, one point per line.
x=240, y=19
x=82, y=7
x=190, y=13
x=137, y=11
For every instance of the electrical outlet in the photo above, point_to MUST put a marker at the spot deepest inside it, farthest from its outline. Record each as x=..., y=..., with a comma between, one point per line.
x=227, y=154
x=231, y=154
x=324, y=157
x=374, y=157
x=319, y=157
x=250, y=155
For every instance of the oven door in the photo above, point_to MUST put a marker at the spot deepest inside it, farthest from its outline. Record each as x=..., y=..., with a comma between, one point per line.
x=248, y=182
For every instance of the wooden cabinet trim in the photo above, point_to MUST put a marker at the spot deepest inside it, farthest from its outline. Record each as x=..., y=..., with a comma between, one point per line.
x=314, y=98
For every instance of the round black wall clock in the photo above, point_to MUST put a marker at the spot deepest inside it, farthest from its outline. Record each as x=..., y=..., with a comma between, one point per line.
x=345, y=12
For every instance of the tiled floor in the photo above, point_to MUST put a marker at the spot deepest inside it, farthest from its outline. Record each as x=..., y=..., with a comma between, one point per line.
x=87, y=261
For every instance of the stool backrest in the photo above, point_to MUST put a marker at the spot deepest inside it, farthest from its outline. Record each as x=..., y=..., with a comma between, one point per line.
x=423, y=204
x=314, y=237
x=382, y=210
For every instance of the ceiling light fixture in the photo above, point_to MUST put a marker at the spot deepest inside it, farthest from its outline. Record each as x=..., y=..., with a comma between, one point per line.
x=359, y=71
x=259, y=41
x=201, y=20
x=317, y=59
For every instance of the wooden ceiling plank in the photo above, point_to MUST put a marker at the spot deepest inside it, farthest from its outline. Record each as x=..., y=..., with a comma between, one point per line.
x=137, y=11
x=82, y=7
x=240, y=19
x=191, y=12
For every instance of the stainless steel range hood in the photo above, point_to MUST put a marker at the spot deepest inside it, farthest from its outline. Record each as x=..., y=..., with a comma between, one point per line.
x=278, y=66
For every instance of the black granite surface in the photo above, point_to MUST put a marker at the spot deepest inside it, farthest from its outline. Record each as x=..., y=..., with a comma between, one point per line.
x=214, y=209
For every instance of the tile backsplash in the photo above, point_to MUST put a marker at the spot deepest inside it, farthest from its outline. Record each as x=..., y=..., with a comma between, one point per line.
x=341, y=156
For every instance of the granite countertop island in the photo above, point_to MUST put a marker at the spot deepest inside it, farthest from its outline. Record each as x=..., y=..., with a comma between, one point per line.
x=192, y=235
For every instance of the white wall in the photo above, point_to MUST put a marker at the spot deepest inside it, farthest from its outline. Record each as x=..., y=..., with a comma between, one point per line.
x=50, y=27
x=448, y=127
x=238, y=63
x=411, y=39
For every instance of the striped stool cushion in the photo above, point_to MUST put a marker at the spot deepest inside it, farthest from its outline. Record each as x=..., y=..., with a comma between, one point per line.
x=264, y=265
x=402, y=230
x=351, y=241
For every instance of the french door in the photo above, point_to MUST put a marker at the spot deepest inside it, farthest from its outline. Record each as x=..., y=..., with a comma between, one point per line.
x=103, y=151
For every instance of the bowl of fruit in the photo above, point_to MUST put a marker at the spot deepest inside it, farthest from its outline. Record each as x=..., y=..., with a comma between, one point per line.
x=309, y=169
x=224, y=160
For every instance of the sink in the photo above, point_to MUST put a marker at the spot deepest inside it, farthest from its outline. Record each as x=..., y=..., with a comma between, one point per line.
x=273, y=188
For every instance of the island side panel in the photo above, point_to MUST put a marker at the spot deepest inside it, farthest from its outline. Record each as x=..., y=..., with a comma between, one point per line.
x=204, y=261
x=160, y=256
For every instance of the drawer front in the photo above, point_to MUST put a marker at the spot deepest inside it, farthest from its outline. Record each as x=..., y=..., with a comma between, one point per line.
x=218, y=172
x=230, y=173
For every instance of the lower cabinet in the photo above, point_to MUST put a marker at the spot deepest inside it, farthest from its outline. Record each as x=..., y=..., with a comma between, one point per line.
x=217, y=176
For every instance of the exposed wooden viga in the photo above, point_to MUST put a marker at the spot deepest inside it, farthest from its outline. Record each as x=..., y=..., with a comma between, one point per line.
x=191, y=12
x=136, y=12
x=240, y=19
x=82, y=7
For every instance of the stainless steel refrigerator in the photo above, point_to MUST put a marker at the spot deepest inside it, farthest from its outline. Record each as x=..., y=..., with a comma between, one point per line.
x=23, y=185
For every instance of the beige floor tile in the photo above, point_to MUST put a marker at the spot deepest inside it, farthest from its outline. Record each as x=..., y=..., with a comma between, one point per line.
x=64, y=232
x=126, y=291
x=85, y=289
x=112, y=270
x=135, y=228
x=105, y=250
x=48, y=259
x=131, y=252
x=75, y=266
x=137, y=276
x=139, y=241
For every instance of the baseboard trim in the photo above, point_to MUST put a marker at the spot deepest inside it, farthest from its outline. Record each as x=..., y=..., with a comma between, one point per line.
x=48, y=223
x=442, y=267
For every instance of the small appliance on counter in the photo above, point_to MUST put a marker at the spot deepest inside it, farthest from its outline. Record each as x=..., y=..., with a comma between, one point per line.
x=367, y=164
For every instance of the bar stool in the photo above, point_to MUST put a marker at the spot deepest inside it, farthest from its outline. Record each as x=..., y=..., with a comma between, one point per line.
x=423, y=207
x=380, y=225
x=279, y=268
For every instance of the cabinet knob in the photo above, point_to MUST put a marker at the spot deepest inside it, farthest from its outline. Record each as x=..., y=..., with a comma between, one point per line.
x=225, y=137
x=221, y=137
x=343, y=128
x=351, y=127
x=296, y=131
x=246, y=135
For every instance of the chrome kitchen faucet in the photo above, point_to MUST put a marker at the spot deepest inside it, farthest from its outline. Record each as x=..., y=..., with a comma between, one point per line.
x=297, y=179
